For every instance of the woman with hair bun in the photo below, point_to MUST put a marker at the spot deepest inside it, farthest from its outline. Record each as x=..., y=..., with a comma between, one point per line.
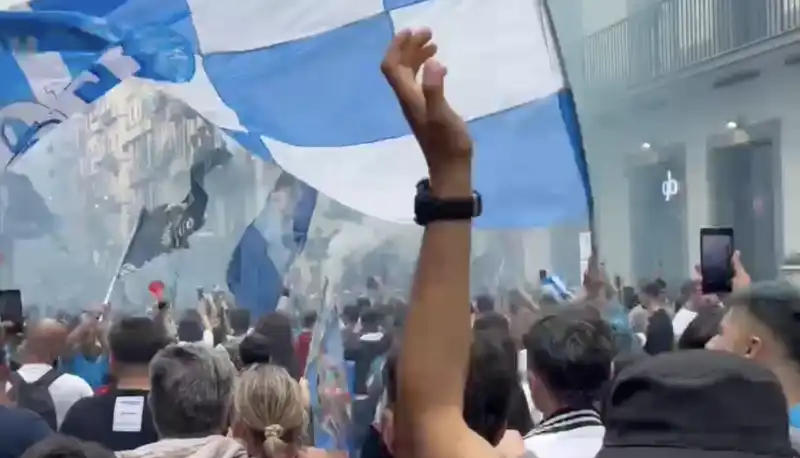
x=270, y=414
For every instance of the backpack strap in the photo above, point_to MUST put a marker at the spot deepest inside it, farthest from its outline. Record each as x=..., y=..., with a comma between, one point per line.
x=16, y=381
x=48, y=378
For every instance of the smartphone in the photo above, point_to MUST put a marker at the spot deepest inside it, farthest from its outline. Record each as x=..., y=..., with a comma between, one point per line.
x=716, y=251
x=11, y=307
x=200, y=292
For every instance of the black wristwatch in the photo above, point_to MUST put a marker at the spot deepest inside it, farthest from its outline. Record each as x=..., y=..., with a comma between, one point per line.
x=428, y=208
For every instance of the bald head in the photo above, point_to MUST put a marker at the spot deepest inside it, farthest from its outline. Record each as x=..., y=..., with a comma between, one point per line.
x=45, y=340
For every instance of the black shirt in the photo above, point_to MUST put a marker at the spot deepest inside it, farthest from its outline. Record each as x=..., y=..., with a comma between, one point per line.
x=20, y=429
x=93, y=419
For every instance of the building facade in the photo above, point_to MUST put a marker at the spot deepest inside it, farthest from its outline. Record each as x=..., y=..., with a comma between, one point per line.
x=688, y=109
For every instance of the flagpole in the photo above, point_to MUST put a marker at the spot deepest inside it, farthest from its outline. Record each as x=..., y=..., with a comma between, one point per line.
x=113, y=283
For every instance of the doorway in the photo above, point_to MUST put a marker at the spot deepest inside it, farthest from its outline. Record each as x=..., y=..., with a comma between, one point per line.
x=657, y=199
x=743, y=192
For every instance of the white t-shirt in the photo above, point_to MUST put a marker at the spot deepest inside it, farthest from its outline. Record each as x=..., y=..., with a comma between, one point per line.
x=681, y=321
x=66, y=390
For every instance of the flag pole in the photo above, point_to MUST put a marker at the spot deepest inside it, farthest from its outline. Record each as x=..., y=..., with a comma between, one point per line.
x=113, y=283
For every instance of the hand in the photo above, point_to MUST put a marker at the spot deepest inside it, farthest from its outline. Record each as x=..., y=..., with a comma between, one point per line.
x=440, y=131
x=741, y=279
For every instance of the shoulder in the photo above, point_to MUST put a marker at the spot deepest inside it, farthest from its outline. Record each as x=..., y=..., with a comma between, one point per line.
x=26, y=423
x=73, y=383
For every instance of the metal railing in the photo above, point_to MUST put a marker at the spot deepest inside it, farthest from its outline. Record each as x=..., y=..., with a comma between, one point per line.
x=674, y=35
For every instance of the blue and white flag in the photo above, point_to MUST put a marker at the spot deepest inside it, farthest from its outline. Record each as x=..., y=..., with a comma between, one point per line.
x=270, y=244
x=299, y=82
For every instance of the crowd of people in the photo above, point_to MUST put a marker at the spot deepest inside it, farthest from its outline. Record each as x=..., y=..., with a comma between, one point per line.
x=699, y=377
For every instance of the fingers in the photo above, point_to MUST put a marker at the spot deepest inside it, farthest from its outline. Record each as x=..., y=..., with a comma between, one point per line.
x=737, y=262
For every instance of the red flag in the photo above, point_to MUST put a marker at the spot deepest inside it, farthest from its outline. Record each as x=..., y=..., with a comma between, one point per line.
x=156, y=288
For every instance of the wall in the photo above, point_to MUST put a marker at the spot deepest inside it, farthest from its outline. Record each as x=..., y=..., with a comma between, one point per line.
x=691, y=116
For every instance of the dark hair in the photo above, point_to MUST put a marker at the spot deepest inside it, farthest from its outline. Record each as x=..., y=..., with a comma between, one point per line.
x=190, y=327
x=136, y=340
x=571, y=352
x=492, y=321
x=490, y=379
x=542, y=274
x=363, y=303
x=660, y=335
x=489, y=390
x=484, y=304
x=254, y=349
x=351, y=314
x=776, y=305
x=371, y=318
x=309, y=319
x=277, y=327
x=239, y=320
x=61, y=446
x=653, y=288
x=701, y=329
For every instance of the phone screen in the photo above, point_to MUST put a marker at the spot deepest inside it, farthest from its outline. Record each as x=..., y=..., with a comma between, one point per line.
x=716, y=250
x=11, y=306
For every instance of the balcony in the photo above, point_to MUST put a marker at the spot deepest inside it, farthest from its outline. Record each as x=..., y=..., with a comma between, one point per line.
x=676, y=37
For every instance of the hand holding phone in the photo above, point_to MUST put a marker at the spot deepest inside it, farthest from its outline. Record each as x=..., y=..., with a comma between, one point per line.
x=716, y=255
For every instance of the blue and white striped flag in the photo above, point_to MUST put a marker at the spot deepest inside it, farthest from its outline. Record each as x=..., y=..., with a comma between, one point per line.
x=299, y=82
x=270, y=244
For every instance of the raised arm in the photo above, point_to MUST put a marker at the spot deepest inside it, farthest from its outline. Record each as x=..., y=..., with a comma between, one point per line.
x=435, y=349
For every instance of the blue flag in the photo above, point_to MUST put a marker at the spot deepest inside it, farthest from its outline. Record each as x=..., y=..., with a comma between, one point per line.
x=299, y=82
x=270, y=245
x=328, y=381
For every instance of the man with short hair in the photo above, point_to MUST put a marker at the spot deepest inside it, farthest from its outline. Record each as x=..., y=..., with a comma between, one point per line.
x=762, y=323
x=191, y=390
x=37, y=376
x=569, y=362
x=121, y=417
x=19, y=428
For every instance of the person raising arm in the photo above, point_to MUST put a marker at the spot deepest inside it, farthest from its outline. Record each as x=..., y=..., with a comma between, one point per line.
x=432, y=368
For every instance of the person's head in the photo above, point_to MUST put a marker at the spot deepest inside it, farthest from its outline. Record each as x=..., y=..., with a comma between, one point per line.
x=45, y=341
x=190, y=327
x=134, y=341
x=542, y=274
x=61, y=446
x=659, y=335
x=268, y=412
x=254, y=349
x=702, y=329
x=371, y=320
x=278, y=329
x=490, y=378
x=484, y=304
x=698, y=404
x=350, y=315
x=487, y=394
x=363, y=303
x=309, y=319
x=492, y=321
x=652, y=294
x=569, y=359
x=191, y=390
x=239, y=320
x=762, y=323
x=284, y=194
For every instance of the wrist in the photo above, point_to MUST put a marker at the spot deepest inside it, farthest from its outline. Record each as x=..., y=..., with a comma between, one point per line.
x=452, y=181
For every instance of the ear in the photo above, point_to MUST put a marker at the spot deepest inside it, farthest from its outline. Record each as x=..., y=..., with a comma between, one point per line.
x=753, y=347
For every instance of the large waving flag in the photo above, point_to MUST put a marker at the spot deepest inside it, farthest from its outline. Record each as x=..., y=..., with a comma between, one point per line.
x=299, y=82
x=270, y=244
